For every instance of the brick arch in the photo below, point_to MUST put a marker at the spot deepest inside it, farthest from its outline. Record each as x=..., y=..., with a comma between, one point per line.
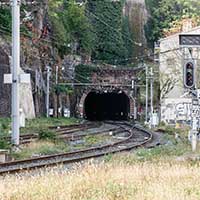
x=131, y=100
x=81, y=111
x=81, y=103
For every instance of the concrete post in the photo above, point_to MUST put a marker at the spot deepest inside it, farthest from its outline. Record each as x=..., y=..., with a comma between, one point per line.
x=57, y=95
x=151, y=86
x=15, y=70
x=147, y=98
x=47, y=92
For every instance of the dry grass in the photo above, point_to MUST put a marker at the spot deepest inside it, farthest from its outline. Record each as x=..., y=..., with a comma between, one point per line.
x=112, y=181
x=145, y=174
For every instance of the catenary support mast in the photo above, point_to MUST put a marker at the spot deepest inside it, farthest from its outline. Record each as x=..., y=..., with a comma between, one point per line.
x=15, y=69
x=147, y=96
x=151, y=86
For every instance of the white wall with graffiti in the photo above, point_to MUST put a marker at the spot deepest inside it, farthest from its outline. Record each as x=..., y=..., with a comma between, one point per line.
x=176, y=110
x=176, y=104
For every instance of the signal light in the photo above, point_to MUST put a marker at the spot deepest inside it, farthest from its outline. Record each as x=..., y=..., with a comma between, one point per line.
x=189, y=75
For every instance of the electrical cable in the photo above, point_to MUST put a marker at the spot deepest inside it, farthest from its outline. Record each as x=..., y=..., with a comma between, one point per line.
x=103, y=22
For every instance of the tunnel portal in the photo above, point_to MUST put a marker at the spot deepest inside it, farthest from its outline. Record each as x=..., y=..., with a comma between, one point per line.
x=107, y=106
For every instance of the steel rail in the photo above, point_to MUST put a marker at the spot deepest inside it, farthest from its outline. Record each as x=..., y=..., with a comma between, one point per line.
x=79, y=155
x=60, y=130
x=76, y=136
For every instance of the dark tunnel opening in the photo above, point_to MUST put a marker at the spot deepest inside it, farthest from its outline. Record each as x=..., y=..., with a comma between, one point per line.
x=107, y=106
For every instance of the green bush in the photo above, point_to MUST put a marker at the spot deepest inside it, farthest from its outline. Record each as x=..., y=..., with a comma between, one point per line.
x=46, y=134
x=4, y=144
x=5, y=19
x=162, y=124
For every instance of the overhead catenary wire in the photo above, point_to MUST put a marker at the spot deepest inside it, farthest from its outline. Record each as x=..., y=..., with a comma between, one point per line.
x=139, y=58
x=44, y=40
x=122, y=34
x=63, y=45
x=122, y=59
x=125, y=59
x=109, y=26
x=38, y=38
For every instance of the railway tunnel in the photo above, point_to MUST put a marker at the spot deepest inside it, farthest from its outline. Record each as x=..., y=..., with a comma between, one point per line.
x=105, y=105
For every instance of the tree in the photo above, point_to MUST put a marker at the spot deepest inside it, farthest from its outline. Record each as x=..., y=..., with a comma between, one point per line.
x=107, y=18
x=5, y=19
x=165, y=12
x=71, y=28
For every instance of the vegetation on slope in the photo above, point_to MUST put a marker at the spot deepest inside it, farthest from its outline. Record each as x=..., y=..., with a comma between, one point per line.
x=70, y=27
x=98, y=28
x=166, y=13
x=111, y=30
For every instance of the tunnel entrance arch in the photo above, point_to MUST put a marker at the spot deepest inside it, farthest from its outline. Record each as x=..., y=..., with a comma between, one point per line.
x=113, y=105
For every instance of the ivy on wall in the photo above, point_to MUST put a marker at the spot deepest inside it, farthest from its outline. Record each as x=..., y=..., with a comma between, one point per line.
x=63, y=89
x=111, y=31
x=84, y=72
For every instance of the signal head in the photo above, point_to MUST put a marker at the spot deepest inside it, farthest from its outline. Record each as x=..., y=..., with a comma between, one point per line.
x=189, y=81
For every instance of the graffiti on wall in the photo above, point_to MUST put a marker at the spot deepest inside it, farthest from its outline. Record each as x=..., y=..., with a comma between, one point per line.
x=176, y=110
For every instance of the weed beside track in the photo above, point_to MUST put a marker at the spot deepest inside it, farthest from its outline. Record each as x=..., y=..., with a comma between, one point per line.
x=135, y=138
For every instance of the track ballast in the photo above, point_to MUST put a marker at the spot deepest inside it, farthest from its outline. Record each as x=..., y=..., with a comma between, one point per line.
x=136, y=137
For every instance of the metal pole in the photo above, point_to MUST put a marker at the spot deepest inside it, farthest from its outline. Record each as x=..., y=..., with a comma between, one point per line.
x=151, y=91
x=151, y=88
x=133, y=87
x=15, y=70
x=47, y=94
x=146, y=111
x=56, y=75
x=194, y=133
x=57, y=95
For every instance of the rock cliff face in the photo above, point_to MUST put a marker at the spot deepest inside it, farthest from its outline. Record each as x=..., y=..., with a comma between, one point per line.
x=5, y=90
x=25, y=91
x=137, y=14
x=37, y=52
x=34, y=56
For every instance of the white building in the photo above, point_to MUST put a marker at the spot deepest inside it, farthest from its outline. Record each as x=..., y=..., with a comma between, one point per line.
x=175, y=100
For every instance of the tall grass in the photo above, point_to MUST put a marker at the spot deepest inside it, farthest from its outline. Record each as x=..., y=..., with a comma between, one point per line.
x=111, y=181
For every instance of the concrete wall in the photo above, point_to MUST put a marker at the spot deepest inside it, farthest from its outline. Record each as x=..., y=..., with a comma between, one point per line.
x=171, y=68
x=173, y=93
x=26, y=100
x=176, y=110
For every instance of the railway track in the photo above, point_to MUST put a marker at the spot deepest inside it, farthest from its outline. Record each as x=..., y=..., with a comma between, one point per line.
x=61, y=132
x=135, y=137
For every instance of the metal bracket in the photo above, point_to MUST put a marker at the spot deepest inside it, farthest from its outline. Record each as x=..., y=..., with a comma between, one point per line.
x=22, y=78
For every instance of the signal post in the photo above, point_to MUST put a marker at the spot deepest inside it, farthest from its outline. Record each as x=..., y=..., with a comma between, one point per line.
x=188, y=42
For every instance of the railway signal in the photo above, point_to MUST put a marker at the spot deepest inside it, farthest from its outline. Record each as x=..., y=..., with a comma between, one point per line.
x=189, y=81
x=189, y=42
